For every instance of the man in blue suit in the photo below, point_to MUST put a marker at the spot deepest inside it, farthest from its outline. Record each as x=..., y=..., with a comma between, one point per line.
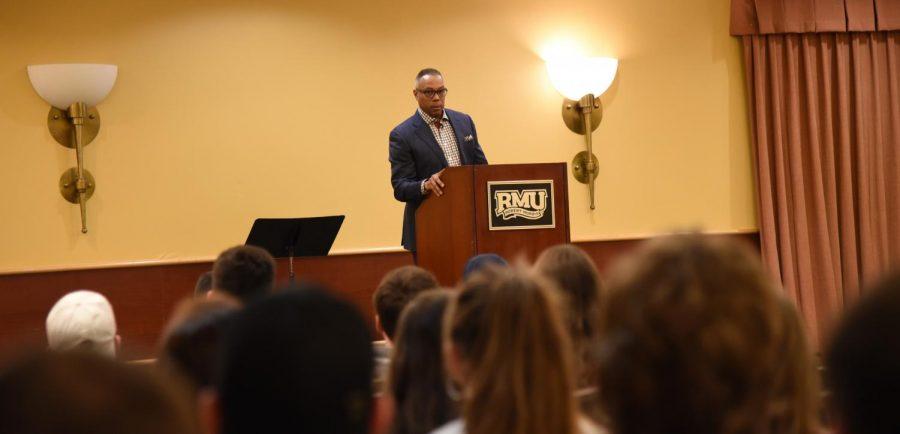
x=422, y=146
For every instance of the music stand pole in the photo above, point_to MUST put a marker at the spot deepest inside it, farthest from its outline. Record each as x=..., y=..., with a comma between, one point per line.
x=291, y=263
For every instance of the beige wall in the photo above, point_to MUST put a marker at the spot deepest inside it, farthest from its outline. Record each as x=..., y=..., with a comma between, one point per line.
x=226, y=111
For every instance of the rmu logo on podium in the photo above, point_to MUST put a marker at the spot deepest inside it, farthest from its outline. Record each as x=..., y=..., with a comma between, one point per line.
x=520, y=204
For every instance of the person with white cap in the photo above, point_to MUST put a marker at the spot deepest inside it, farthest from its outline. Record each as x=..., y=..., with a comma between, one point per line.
x=83, y=320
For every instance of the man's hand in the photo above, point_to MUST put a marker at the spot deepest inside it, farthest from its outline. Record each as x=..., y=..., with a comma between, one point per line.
x=435, y=184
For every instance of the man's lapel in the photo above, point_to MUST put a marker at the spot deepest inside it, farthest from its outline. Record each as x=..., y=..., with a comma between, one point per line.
x=425, y=135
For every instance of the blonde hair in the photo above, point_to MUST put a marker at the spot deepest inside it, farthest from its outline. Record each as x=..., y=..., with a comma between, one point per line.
x=505, y=327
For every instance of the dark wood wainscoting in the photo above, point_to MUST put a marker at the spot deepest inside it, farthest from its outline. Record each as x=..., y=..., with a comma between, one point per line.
x=143, y=296
x=605, y=252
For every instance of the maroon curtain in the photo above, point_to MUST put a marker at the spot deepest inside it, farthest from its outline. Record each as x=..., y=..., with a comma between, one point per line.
x=825, y=120
x=764, y=17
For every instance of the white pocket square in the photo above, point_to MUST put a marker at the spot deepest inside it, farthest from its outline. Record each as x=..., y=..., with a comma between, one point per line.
x=468, y=138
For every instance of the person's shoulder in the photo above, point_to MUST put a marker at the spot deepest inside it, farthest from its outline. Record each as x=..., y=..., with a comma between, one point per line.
x=451, y=112
x=406, y=125
x=458, y=116
x=452, y=427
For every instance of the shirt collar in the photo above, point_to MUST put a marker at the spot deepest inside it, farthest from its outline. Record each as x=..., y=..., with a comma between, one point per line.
x=428, y=119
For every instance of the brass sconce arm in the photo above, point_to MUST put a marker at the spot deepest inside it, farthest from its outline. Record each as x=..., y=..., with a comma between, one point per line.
x=583, y=117
x=77, y=113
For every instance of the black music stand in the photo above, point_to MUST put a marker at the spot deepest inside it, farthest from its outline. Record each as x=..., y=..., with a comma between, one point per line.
x=287, y=238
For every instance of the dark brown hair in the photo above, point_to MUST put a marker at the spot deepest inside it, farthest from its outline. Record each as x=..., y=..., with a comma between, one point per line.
x=505, y=326
x=83, y=393
x=190, y=343
x=395, y=291
x=203, y=285
x=245, y=272
x=863, y=362
x=575, y=275
x=694, y=334
x=417, y=375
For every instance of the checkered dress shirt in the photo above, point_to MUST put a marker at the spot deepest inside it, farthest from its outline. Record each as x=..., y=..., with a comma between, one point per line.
x=444, y=136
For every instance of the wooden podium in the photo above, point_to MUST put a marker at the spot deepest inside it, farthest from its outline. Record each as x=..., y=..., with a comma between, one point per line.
x=526, y=211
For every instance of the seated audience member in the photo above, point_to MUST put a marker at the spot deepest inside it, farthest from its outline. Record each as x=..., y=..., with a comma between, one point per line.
x=863, y=363
x=417, y=376
x=695, y=339
x=298, y=361
x=396, y=290
x=575, y=276
x=83, y=320
x=244, y=272
x=84, y=393
x=478, y=262
x=203, y=285
x=506, y=347
x=191, y=339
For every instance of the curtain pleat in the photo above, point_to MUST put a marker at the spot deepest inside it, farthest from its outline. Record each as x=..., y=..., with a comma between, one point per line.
x=825, y=115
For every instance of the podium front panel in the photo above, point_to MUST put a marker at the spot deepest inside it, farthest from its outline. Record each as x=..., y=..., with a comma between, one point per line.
x=445, y=227
x=520, y=209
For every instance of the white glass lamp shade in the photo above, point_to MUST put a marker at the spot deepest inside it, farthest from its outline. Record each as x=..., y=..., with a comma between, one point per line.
x=575, y=77
x=64, y=84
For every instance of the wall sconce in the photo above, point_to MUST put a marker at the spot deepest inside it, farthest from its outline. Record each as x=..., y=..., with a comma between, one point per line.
x=581, y=81
x=73, y=90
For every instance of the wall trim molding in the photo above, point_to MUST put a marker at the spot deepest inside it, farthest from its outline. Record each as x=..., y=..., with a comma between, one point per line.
x=337, y=252
x=143, y=293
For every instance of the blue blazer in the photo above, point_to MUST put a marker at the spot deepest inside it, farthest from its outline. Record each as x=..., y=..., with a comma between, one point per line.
x=415, y=155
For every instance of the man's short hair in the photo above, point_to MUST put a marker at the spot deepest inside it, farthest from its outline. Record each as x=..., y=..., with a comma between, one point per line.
x=863, y=363
x=297, y=361
x=396, y=290
x=246, y=272
x=82, y=320
x=84, y=393
x=203, y=285
x=427, y=71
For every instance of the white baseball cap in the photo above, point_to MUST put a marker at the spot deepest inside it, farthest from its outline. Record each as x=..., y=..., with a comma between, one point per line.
x=82, y=317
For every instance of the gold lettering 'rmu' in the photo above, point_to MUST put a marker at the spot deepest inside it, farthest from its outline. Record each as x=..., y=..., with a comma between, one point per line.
x=528, y=204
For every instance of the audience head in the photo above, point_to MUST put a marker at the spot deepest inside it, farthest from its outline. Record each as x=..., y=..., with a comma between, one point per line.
x=299, y=361
x=245, y=272
x=479, y=262
x=505, y=344
x=84, y=393
x=203, y=285
x=417, y=376
x=574, y=274
x=191, y=340
x=82, y=320
x=863, y=363
x=694, y=334
x=395, y=291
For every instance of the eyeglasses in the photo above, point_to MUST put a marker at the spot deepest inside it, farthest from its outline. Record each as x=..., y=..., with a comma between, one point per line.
x=430, y=93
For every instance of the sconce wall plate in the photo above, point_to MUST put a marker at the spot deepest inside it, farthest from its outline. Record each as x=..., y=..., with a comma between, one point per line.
x=68, y=185
x=573, y=119
x=63, y=131
x=580, y=167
